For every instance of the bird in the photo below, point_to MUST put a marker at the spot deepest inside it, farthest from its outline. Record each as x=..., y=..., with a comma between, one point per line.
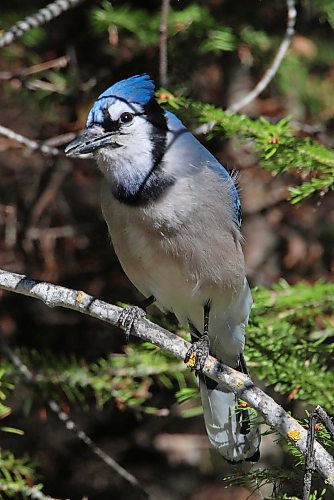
x=174, y=214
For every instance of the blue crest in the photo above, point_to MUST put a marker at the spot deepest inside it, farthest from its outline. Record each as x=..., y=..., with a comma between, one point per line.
x=138, y=89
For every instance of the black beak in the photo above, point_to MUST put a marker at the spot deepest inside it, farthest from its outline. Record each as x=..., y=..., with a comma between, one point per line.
x=91, y=139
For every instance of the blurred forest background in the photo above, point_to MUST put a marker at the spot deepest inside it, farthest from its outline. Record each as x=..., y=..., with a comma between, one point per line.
x=136, y=403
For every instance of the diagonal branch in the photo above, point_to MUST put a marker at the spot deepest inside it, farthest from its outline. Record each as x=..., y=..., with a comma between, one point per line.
x=271, y=72
x=40, y=17
x=21, y=74
x=240, y=384
x=33, y=145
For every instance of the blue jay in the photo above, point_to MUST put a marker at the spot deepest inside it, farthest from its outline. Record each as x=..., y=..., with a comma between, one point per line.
x=173, y=213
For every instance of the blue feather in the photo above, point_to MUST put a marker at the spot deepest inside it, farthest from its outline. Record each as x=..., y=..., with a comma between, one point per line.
x=138, y=89
x=237, y=214
x=175, y=124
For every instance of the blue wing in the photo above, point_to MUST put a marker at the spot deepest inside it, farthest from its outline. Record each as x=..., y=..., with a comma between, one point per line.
x=217, y=167
x=175, y=125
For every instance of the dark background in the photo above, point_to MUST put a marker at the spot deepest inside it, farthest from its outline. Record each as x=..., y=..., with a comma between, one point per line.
x=51, y=227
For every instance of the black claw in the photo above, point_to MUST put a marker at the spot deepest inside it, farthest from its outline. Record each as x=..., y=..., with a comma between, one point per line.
x=197, y=354
x=129, y=318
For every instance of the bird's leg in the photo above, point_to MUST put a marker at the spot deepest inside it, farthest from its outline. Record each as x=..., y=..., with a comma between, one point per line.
x=130, y=315
x=241, y=365
x=199, y=351
x=244, y=414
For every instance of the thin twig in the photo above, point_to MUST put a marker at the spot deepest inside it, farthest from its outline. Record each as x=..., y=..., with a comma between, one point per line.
x=232, y=380
x=60, y=62
x=9, y=214
x=60, y=140
x=319, y=414
x=45, y=197
x=41, y=17
x=309, y=460
x=163, y=56
x=325, y=419
x=69, y=423
x=34, y=145
x=271, y=72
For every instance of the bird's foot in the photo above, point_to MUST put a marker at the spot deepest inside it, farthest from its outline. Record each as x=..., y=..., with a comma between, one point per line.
x=244, y=416
x=241, y=365
x=129, y=318
x=197, y=354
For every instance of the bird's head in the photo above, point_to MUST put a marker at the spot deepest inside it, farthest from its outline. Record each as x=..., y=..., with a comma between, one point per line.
x=125, y=120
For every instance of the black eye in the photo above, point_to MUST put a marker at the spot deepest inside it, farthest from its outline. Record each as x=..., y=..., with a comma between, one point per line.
x=126, y=117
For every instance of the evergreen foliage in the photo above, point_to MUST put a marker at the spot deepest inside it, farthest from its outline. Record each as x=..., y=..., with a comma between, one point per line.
x=289, y=345
x=16, y=476
x=276, y=143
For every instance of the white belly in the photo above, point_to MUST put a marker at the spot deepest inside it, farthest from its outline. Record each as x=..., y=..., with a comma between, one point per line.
x=155, y=271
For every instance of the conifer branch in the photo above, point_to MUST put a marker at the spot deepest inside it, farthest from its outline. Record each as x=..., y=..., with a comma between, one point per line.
x=40, y=17
x=241, y=385
x=12, y=488
x=70, y=425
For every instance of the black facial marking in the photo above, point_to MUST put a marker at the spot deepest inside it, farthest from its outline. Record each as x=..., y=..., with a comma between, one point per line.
x=156, y=115
x=149, y=190
x=108, y=124
x=157, y=181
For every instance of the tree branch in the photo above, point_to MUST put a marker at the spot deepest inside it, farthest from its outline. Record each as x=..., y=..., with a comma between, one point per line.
x=317, y=415
x=163, y=56
x=21, y=74
x=271, y=72
x=241, y=385
x=40, y=17
x=33, y=145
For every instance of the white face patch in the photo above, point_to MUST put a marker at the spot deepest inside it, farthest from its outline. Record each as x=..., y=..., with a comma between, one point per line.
x=135, y=153
x=119, y=107
x=133, y=136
